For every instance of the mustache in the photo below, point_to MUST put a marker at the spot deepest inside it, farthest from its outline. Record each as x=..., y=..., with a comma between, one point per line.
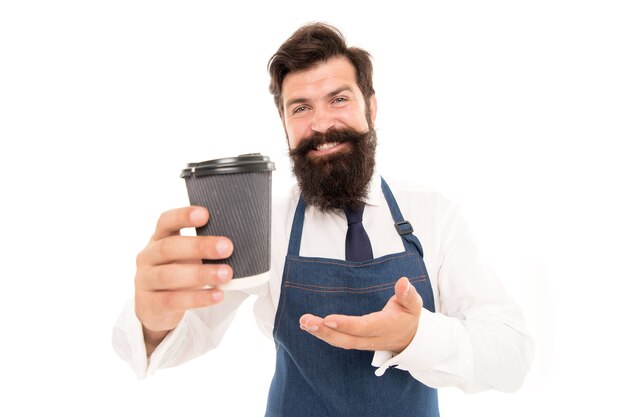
x=311, y=142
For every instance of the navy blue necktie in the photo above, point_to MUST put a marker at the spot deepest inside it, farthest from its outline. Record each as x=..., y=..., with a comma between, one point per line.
x=358, y=246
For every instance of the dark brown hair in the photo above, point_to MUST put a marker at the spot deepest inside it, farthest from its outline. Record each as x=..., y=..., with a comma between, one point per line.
x=313, y=44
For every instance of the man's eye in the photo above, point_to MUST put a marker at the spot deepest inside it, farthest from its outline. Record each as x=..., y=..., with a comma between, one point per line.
x=299, y=109
x=339, y=100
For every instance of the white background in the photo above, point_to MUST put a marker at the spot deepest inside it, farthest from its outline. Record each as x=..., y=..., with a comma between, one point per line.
x=514, y=110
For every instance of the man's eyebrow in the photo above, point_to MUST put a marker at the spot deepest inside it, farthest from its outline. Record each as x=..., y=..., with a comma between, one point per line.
x=293, y=101
x=340, y=90
x=300, y=100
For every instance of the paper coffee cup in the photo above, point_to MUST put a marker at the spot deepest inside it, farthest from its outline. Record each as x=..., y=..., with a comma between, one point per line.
x=237, y=192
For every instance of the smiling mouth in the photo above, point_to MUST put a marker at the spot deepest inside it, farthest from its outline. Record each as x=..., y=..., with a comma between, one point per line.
x=326, y=146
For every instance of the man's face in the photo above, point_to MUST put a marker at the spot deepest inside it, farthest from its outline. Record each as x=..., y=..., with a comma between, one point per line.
x=331, y=138
x=324, y=97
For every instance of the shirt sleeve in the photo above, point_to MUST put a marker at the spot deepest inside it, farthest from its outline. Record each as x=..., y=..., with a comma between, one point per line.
x=199, y=331
x=477, y=341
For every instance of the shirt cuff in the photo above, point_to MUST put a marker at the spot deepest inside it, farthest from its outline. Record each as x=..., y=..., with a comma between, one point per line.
x=128, y=340
x=440, y=344
x=129, y=343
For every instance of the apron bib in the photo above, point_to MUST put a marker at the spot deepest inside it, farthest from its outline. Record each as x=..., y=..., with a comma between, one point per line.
x=315, y=379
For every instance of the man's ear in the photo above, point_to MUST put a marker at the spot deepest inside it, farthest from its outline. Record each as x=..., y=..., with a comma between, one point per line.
x=373, y=111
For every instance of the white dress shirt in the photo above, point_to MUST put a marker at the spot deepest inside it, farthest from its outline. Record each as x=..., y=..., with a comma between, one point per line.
x=475, y=340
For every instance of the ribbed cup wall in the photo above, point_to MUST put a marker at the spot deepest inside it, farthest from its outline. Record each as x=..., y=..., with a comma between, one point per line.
x=240, y=208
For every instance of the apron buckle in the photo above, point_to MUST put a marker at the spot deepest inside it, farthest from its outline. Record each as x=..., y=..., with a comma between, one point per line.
x=404, y=228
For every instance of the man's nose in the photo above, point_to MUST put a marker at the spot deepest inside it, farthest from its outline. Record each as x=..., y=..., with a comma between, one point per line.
x=322, y=120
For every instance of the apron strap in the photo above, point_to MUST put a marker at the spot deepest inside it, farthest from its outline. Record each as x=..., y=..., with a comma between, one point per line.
x=403, y=227
x=296, y=229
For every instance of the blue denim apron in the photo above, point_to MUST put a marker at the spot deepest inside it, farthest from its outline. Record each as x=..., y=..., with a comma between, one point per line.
x=315, y=379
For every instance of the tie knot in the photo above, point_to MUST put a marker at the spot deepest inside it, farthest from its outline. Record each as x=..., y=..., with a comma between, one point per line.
x=354, y=215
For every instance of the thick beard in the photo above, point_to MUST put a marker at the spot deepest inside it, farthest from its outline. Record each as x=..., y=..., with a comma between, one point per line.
x=339, y=180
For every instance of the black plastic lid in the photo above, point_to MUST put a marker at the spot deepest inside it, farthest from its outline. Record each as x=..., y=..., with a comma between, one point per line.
x=250, y=162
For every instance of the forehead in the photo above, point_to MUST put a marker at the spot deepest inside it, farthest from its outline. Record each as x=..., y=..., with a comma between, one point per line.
x=320, y=79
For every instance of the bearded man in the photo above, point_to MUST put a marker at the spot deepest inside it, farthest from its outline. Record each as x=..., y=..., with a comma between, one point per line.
x=377, y=296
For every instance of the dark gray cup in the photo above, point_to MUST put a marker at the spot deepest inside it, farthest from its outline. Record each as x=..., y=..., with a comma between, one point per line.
x=237, y=192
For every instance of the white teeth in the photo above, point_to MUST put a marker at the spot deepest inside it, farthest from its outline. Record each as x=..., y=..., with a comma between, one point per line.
x=326, y=146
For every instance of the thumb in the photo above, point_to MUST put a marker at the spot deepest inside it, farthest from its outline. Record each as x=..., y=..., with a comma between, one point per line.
x=407, y=296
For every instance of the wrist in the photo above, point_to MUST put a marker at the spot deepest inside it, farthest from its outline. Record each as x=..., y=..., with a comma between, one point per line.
x=152, y=338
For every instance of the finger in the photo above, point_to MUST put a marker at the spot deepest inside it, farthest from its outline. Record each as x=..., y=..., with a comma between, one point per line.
x=181, y=276
x=310, y=322
x=185, y=248
x=339, y=339
x=168, y=302
x=369, y=325
x=172, y=221
x=407, y=296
